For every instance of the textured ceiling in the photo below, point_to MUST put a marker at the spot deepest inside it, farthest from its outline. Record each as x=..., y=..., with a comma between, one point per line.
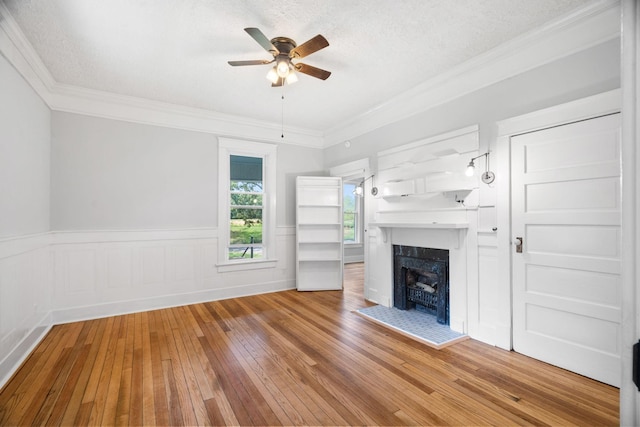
x=176, y=51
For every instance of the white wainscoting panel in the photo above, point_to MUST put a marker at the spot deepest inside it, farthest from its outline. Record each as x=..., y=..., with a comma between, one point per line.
x=81, y=270
x=152, y=265
x=25, y=298
x=487, y=288
x=61, y=277
x=184, y=259
x=105, y=273
x=119, y=274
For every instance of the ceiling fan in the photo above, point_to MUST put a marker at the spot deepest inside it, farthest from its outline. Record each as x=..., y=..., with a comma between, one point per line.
x=284, y=50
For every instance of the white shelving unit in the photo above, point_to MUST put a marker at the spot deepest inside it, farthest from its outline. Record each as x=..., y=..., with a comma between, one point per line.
x=319, y=244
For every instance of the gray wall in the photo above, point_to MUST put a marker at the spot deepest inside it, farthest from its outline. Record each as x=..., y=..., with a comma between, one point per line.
x=24, y=156
x=585, y=73
x=294, y=161
x=114, y=175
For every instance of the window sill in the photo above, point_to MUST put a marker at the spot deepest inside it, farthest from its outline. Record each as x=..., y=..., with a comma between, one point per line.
x=246, y=265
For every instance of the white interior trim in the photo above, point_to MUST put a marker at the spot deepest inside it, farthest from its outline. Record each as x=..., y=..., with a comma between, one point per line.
x=356, y=168
x=226, y=148
x=629, y=396
x=10, y=364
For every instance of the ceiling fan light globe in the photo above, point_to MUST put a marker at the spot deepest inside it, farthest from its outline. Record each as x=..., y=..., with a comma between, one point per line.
x=291, y=78
x=282, y=68
x=272, y=75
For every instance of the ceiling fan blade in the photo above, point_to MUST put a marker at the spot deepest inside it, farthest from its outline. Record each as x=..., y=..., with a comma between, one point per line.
x=262, y=40
x=278, y=83
x=313, y=71
x=253, y=62
x=308, y=47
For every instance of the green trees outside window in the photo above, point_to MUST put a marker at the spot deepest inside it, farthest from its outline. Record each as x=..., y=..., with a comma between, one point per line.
x=350, y=213
x=246, y=207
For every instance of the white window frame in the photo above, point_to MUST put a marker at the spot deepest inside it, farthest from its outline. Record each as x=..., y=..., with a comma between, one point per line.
x=358, y=213
x=228, y=147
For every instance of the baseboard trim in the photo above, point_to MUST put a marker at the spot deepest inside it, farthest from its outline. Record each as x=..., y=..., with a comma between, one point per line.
x=97, y=311
x=10, y=364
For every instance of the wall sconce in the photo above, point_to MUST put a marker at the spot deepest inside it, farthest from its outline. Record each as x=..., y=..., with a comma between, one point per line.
x=359, y=191
x=487, y=176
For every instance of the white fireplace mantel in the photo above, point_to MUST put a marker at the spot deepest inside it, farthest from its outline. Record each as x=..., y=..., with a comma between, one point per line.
x=385, y=226
x=419, y=225
x=452, y=236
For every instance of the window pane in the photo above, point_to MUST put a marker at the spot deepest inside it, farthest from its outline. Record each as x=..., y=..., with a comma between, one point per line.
x=349, y=198
x=246, y=207
x=245, y=199
x=246, y=226
x=350, y=212
x=246, y=186
x=349, y=227
x=249, y=252
x=245, y=168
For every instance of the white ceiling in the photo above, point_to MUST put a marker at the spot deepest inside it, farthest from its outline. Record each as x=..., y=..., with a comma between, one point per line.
x=176, y=51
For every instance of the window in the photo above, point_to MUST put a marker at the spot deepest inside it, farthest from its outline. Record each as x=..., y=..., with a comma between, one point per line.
x=246, y=202
x=246, y=207
x=351, y=212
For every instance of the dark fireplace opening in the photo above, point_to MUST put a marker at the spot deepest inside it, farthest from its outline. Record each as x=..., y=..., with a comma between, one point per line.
x=421, y=280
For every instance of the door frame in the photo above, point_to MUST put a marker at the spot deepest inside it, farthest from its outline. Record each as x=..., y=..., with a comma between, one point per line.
x=359, y=168
x=593, y=106
x=630, y=82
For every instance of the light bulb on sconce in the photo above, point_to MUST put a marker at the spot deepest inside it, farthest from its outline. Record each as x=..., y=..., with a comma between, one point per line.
x=471, y=169
x=359, y=190
x=487, y=176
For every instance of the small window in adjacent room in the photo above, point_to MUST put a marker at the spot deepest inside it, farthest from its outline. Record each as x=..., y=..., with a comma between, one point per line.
x=351, y=212
x=246, y=205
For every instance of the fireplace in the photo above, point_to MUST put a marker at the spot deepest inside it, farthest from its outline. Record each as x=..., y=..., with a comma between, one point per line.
x=421, y=280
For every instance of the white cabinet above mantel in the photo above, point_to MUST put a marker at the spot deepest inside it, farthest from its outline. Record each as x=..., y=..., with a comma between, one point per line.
x=428, y=186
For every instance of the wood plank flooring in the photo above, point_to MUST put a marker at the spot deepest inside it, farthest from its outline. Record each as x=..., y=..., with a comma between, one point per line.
x=285, y=358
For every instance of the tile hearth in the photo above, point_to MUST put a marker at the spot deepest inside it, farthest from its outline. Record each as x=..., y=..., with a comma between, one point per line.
x=420, y=326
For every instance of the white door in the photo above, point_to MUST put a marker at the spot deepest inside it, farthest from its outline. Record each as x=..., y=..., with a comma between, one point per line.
x=566, y=281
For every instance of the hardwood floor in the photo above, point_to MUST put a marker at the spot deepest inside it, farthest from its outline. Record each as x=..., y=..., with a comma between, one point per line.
x=285, y=358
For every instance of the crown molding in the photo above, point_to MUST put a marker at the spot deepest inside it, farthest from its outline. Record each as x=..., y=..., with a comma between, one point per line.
x=580, y=30
x=585, y=28
x=15, y=47
x=73, y=99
